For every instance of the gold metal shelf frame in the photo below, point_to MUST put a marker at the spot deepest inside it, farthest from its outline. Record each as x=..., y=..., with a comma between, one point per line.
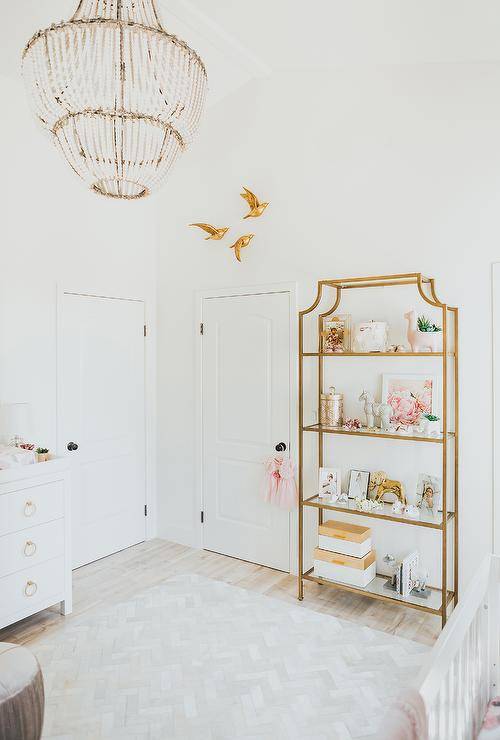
x=426, y=289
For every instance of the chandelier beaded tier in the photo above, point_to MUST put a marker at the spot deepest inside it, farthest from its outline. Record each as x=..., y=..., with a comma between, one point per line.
x=120, y=96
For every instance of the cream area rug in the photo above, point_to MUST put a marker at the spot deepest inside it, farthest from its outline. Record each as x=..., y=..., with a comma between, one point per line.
x=197, y=659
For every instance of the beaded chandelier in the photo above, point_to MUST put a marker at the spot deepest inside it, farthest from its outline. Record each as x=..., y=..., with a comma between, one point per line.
x=120, y=96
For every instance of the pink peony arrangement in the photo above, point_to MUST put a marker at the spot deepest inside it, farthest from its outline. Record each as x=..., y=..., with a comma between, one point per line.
x=408, y=407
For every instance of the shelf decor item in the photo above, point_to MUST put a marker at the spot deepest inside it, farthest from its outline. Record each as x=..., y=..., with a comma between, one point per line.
x=345, y=538
x=372, y=410
x=331, y=408
x=428, y=493
x=344, y=568
x=430, y=424
x=120, y=96
x=411, y=401
x=410, y=396
x=371, y=336
x=423, y=336
x=336, y=333
x=381, y=486
x=42, y=454
x=329, y=483
x=359, y=481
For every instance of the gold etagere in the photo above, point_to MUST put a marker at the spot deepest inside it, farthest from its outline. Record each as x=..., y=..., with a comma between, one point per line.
x=441, y=599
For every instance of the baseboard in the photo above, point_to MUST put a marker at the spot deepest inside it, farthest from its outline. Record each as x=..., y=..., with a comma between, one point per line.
x=180, y=535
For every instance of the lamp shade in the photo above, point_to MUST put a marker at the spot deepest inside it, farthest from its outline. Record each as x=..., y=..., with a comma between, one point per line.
x=15, y=419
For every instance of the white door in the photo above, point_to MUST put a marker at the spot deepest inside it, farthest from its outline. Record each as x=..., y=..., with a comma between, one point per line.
x=246, y=412
x=101, y=411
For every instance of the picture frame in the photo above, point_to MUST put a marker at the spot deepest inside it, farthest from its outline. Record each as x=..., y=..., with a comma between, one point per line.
x=411, y=396
x=429, y=493
x=329, y=483
x=336, y=334
x=359, y=480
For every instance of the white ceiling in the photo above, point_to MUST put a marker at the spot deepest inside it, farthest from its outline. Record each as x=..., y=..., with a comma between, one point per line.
x=241, y=40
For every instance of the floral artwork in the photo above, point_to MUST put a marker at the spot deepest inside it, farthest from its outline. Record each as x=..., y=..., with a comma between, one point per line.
x=410, y=396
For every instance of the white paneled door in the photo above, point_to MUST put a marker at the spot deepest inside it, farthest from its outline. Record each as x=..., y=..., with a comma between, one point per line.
x=246, y=412
x=102, y=421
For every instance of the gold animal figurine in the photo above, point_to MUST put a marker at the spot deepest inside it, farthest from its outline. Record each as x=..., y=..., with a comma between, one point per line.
x=212, y=231
x=256, y=207
x=240, y=243
x=380, y=485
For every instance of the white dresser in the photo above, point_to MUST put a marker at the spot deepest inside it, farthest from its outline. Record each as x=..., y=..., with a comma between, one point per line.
x=35, y=546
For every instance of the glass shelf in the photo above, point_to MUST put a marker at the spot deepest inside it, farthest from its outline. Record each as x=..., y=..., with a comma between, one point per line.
x=376, y=354
x=376, y=590
x=425, y=520
x=364, y=432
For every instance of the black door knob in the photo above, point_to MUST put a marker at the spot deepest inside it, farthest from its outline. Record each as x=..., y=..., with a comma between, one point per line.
x=72, y=446
x=280, y=447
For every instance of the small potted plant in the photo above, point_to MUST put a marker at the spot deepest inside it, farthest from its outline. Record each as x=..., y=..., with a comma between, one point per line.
x=431, y=424
x=424, y=324
x=42, y=454
x=423, y=334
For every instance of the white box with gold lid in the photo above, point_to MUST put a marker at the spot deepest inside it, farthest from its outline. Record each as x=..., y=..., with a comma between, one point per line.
x=345, y=568
x=345, y=538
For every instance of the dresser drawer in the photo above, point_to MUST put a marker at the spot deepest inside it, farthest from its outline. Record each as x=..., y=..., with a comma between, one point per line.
x=31, y=506
x=32, y=546
x=32, y=586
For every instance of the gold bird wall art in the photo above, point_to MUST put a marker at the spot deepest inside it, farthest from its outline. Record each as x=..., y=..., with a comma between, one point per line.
x=256, y=207
x=240, y=243
x=212, y=231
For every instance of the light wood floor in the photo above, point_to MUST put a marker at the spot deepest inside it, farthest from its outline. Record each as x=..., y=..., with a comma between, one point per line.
x=125, y=573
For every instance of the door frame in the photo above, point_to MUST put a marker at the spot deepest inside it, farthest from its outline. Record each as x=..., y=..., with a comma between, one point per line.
x=149, y=392
x=246, y=290
x=495, y=307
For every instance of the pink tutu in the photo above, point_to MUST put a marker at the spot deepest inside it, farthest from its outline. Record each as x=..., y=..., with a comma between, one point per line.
x=280, y=487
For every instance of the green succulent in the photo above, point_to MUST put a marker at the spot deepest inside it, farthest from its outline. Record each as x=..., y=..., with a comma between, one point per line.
x=41, y=450
x=425, y=324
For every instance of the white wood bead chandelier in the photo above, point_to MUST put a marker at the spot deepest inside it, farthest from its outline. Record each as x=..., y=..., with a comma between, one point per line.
x=120, y=96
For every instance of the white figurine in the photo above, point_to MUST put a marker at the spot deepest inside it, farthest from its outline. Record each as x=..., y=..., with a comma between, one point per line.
x=372, y=409
x=412, y=511
x=397, y=507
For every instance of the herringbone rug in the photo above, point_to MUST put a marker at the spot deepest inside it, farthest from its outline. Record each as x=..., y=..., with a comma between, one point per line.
x=202, y=660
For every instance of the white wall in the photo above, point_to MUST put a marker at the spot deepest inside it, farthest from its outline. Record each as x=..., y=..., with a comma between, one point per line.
x=368, y=171
x=56, y=232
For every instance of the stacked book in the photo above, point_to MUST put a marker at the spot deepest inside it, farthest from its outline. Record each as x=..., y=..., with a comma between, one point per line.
x=345, y=554
x=403, y=580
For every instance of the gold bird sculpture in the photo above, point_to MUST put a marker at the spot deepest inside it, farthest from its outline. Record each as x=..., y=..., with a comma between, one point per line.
x=212, y=231
x=240, y=243
x=256, y=207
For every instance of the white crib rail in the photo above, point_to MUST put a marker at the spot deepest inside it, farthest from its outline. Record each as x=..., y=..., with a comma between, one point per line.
x=461, y=674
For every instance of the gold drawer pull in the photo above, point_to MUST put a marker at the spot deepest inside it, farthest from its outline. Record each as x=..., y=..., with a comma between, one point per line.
x=29, y=508
x=29, y=548
x=30, y=589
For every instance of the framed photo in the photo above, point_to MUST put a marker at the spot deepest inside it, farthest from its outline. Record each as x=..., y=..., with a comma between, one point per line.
x=410, y=396
x=428, y=493
x=359, y=481
x=329, y=482
x=336, y=333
